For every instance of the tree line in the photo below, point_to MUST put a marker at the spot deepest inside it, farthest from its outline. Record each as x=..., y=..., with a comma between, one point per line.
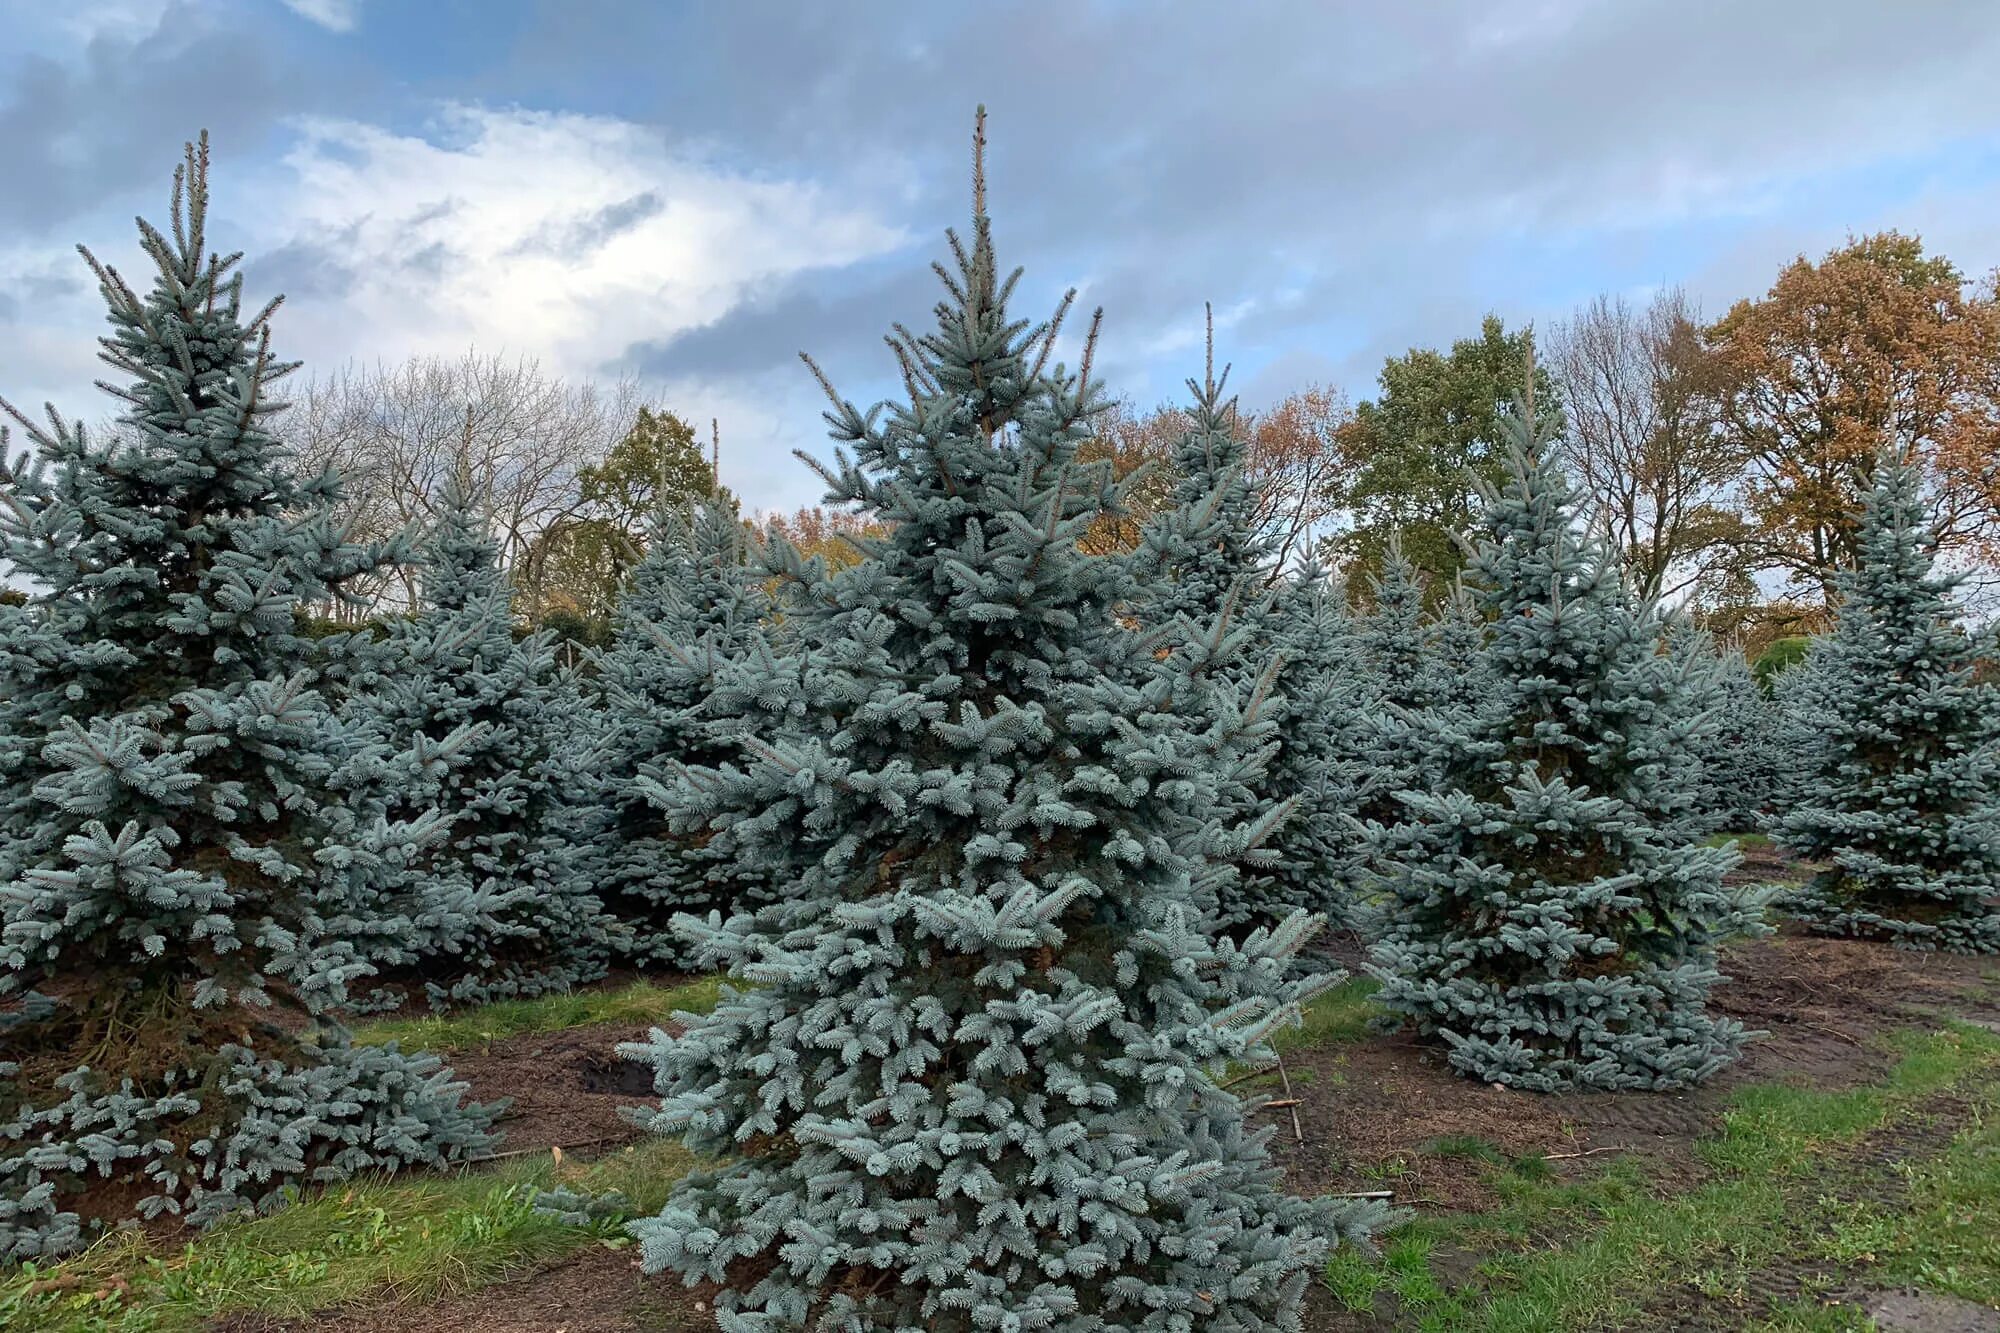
x=1725, y=457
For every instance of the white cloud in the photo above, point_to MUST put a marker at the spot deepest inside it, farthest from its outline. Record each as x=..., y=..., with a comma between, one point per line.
x=333, y=15
x=568, y=237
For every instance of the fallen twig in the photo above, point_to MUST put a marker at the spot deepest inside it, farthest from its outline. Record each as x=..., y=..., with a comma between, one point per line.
x=1587, y=1152
x=558, y=1149
x=1298, y=1130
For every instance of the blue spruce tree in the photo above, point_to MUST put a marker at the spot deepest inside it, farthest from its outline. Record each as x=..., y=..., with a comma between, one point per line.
x=1400, y=671
x=499, y=910
x=1738, y=744
x=1391, y=635
x=1454, y=665
x=1321, y=764
x=691, y=609
x=971, y=1088
x=1903, y=800
x=1551, y=914
x=172, y=841
x=1801, y=698
x=1203, y=578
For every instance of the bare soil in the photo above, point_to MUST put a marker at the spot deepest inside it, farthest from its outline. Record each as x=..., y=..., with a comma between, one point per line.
x=1382, y=1112
x=566, y=1087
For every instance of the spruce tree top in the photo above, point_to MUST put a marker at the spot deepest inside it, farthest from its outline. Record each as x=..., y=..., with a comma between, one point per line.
x=165, y=753
x=1206, y=542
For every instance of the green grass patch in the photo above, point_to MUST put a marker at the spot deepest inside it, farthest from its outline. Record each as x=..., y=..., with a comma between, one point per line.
x=412, y=1239
x=1947, y=1239
x=642, y=1002
x=1589, y=1253
x=1746, y=841
x=1340, y=1014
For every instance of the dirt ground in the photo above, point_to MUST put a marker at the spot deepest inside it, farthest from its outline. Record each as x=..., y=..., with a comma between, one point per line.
x=566, y=1088
x=1368, y=1110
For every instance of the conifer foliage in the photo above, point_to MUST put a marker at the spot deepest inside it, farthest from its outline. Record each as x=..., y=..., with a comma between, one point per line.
x=171, y=845
x=1206, y=581
x=1551, y=914
x=1739, y=744
x=691, y=609
x=1321, y=765
x=970, y=1088
x=499, y=910
x=1901, y=799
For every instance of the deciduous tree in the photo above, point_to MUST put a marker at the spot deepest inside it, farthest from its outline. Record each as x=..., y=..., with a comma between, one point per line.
x=1878, y=346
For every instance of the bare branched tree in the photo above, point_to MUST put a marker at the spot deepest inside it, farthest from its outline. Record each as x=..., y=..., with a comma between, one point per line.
x=504, y=429
x=1645, y=442
x=1293, y=452
x=1295, y=455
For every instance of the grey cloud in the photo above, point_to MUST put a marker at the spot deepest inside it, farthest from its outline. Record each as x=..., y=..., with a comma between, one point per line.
x=1351, y=171
x=582, y=235
x=841, y=330
x=79, y=134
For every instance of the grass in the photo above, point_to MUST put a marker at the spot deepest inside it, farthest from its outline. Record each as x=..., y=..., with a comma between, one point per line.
x=1947, y=1238
x=414, y=1239
x=411, y=1240
x=1590, y=1253
x=1340, y=1014
x=1558, y=1252
x=642, y=1002
x=1746, y=841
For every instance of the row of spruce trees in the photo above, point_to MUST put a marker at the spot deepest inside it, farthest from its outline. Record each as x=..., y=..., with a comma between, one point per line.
x=1015, y=845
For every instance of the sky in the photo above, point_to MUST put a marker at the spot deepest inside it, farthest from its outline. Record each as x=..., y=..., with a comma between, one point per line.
x=691, y=195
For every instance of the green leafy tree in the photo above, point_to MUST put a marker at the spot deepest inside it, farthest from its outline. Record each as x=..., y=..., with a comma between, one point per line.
x=1552, y=914
x=973, y=1085
x=581, y=561
x=1418, y=453
x=1902, y=800
x=176, y=844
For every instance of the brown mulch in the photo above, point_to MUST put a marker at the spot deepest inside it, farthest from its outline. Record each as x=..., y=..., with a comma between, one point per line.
x=566, y=1087
x=1374, y=1114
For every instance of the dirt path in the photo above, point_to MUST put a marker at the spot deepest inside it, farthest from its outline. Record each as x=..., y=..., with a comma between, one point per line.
x=1373, y=1112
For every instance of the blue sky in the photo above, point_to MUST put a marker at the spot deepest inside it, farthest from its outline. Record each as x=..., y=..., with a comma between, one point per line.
x=692, y=194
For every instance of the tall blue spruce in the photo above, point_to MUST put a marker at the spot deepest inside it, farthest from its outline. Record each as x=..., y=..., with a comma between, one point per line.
x=972, y=1087
x=1903, y=799
x=172, y=840
x=1322, y=763
x=1204, y=578
x=1551, y=913
x=499, y=910
x=691, y=609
